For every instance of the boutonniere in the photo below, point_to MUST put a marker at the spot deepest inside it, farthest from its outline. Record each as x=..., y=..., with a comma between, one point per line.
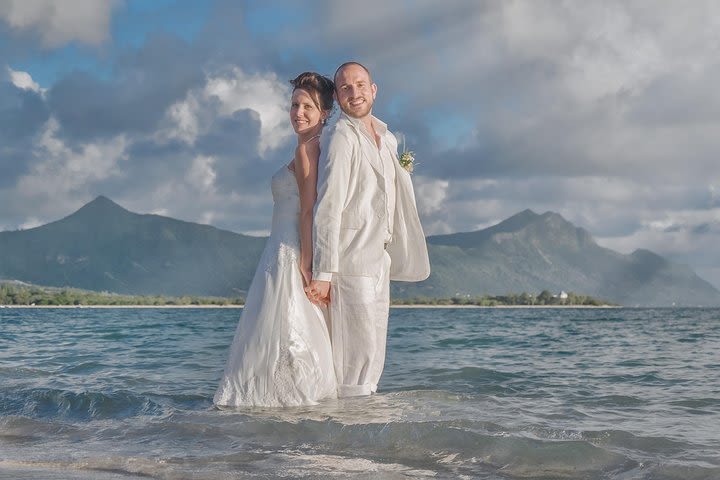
x=407, y=161
x=407, y=158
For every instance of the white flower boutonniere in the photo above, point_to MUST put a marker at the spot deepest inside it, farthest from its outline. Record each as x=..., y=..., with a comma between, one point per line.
x=407, y=157
x=407, y=161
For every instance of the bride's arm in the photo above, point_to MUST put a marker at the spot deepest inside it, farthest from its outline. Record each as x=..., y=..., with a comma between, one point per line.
x=306, y=160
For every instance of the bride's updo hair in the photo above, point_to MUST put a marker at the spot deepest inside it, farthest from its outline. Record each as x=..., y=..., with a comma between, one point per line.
x=319, y=87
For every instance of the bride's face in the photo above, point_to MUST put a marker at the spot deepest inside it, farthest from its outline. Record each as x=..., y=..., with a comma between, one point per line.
x=304, y=114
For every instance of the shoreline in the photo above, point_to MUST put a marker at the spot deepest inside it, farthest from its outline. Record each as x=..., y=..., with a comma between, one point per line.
x=81, y=307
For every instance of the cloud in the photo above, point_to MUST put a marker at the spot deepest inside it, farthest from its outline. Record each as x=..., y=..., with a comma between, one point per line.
x=202, y=174
x=146, y=82
x=264, y=94
x=65, y=169
x=23, y=114
x=225, y=93
x=64, y=174
x=58, y=23
x=24, y=81
x=431, y=194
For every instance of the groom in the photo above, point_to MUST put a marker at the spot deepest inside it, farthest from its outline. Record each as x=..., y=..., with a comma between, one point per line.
x=366, y=232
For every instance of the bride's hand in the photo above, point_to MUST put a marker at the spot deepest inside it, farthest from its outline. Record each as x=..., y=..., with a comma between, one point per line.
x=318, y=292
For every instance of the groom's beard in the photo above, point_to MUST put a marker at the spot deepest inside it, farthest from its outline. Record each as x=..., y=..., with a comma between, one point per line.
x=360, y=110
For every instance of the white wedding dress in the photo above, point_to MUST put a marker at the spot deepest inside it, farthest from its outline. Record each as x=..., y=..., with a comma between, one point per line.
x=281, y=354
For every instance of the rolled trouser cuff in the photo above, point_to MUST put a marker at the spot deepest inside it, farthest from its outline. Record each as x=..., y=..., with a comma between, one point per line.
x=354, y=390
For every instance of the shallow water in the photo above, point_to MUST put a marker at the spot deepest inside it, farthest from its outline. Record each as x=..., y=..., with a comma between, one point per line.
x=467, y=393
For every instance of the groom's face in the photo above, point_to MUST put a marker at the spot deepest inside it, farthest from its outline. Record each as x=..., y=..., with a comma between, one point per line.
x=354, y=91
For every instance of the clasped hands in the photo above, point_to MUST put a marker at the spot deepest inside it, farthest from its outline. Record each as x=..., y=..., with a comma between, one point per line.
x=318, y=292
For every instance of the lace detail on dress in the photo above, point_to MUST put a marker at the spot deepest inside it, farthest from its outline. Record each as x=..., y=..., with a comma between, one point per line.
x=283, y=384
x=283, y=255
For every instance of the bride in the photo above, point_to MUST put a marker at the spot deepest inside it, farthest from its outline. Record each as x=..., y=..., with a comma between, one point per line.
x=281, y=353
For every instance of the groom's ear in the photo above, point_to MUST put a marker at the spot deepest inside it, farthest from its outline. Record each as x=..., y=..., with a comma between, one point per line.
x=374, y=90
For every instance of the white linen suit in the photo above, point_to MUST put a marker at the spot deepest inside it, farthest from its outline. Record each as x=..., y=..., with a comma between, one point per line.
x=351, y=248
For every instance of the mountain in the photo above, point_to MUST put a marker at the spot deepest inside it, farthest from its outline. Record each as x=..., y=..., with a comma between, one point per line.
x=104, y=247
x=531, y=252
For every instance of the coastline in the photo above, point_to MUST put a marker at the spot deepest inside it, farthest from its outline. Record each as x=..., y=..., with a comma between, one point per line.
x=80, y=307
x=508, y=306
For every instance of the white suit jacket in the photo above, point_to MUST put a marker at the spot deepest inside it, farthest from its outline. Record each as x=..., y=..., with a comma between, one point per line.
x=350, y=228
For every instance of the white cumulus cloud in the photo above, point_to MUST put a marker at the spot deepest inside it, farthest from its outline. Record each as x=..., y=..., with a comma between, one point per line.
x=226, y=93
x=65, y=173
x=24, y=81
x=202, y=173
x=264, y=93
x=57, y=23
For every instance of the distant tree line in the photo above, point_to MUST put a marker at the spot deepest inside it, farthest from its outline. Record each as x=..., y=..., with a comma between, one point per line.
x=544, y=298
x=14, y=294
x=17, y=294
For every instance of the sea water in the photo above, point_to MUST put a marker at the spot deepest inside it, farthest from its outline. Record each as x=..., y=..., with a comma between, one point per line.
x=466, y=393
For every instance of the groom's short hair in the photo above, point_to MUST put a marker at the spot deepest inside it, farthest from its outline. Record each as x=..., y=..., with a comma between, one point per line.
x=346, y=64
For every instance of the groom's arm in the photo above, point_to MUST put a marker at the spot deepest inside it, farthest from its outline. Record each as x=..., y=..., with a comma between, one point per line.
x=333, y=181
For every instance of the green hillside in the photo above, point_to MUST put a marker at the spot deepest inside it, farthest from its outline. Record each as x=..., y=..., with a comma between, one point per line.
x=103, y=247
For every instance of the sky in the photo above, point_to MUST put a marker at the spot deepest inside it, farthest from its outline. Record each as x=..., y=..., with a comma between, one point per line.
x=605, y=112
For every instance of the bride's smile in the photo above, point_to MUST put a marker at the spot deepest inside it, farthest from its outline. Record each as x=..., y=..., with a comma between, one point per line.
x=305, y=116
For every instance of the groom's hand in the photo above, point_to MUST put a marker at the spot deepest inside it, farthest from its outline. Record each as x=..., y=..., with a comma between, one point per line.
x=318, y=292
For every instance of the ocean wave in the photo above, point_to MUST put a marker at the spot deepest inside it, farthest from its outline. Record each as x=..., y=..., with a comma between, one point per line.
x=621, y=401
x=473, y=342
x=382, y=437
x=649, y=378
x=306, y=464
x=475, y=380
x=711, y=403
x=56, y=403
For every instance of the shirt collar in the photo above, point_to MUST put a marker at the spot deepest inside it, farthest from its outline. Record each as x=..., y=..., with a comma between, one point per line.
x=380, y=126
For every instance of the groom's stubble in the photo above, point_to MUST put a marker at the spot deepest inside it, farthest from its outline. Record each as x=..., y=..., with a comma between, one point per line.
x=354, y=90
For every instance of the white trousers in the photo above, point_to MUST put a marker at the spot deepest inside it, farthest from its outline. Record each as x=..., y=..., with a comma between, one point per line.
x=359, y=309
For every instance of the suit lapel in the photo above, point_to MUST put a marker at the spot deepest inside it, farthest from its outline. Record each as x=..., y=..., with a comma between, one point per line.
x=373, y=160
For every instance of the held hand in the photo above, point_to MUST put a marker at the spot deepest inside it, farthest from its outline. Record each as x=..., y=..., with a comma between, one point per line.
x=325, y=301
x=318, y=292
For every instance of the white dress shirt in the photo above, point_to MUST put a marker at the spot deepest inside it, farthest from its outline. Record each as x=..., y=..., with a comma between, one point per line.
x=385, y=158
